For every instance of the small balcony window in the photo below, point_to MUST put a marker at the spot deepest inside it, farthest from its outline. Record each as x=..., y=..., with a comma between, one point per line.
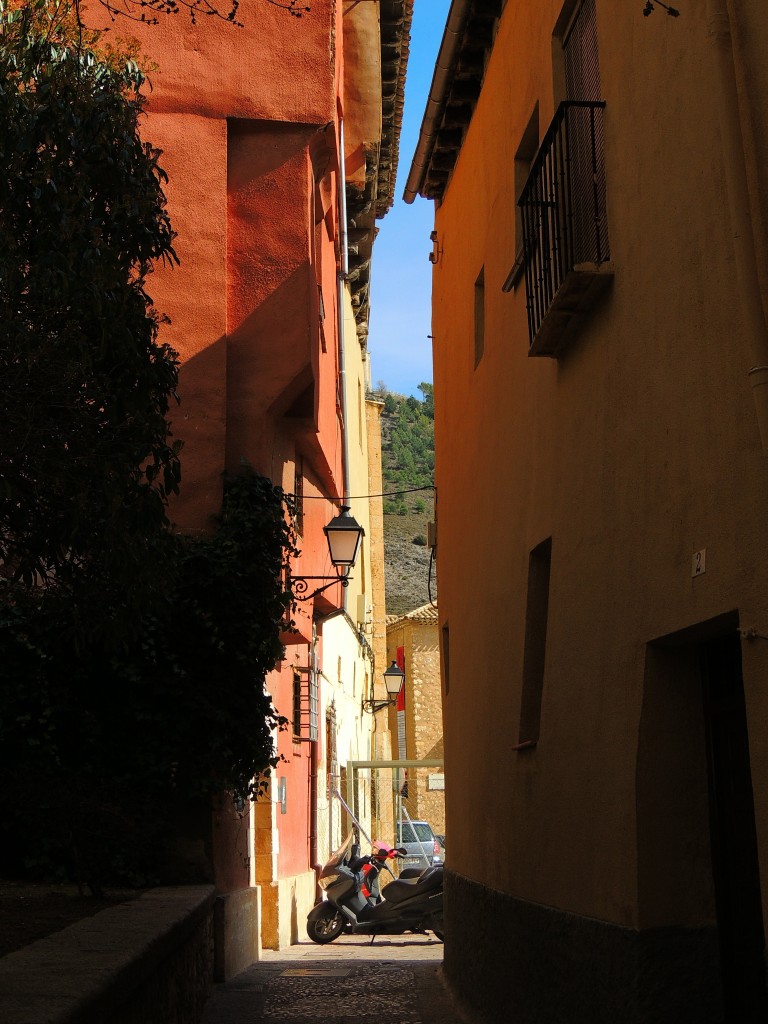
x=565, y=230
x=305, y=704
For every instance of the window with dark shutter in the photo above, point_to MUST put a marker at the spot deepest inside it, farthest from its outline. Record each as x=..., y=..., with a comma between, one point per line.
x=566, y=253
x=536, y=617
x=298, y=494
x=305, y=704
x=479, y=316
x=582, y=67
x=582, y=82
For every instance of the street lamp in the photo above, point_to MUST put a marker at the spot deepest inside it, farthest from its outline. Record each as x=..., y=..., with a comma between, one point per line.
x=344, y=535
x=394, y=678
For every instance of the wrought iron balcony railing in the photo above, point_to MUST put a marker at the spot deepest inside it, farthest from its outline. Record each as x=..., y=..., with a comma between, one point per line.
x=565, y=232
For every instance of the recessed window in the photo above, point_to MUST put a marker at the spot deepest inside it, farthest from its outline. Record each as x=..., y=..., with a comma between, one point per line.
x=581, y=63
x=446, y=659
x=298, y=493
x=296, y=704
x=526, y=151
x=575, y=62
x=536, y=618
x=479, y=316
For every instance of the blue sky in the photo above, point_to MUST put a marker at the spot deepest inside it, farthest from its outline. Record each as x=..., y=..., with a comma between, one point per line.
x=401, y=274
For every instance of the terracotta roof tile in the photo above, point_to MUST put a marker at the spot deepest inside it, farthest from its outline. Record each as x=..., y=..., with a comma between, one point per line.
x=425, y=614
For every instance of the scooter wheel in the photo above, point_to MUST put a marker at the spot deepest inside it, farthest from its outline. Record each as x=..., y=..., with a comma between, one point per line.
x=326, y=928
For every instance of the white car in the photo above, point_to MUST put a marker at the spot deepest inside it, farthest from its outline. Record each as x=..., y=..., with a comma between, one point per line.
x=422, y=846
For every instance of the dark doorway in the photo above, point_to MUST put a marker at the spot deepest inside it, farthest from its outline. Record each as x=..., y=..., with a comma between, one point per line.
x=733, y=834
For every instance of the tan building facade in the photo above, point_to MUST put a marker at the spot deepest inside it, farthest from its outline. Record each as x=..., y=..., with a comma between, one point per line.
x=417, y=722
x=599, y=321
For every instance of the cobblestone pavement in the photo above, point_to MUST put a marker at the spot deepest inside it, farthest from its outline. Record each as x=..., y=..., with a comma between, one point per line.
x=394, y=981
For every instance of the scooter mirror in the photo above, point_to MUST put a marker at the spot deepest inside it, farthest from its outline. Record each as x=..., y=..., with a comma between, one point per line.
x=402, y=851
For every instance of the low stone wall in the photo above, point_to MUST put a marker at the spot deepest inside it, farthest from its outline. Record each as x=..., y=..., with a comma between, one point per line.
x=510, y=960
x=149, y=961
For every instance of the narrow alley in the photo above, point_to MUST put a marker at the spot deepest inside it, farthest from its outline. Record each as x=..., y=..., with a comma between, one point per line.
x=396, y=980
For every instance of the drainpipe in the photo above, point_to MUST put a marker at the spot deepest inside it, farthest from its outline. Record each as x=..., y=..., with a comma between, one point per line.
x=342, y=280
x=314, y=767
x=454, y=30
x=738, y=149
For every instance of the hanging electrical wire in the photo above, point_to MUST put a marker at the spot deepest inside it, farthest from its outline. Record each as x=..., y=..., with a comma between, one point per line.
x=362, y=497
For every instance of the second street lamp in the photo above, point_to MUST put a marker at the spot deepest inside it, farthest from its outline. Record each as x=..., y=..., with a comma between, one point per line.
x=394, y=678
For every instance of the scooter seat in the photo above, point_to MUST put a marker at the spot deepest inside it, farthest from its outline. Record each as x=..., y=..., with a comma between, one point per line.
x=404, y=888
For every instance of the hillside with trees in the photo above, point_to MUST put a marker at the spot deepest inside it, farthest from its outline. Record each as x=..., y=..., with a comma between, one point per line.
x=408, y=456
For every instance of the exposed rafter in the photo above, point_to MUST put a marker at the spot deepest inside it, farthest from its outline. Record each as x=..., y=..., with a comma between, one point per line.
x=461, y=63
x=366, y=205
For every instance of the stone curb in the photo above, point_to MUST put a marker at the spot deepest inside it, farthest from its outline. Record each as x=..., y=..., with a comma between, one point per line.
x=77, y=974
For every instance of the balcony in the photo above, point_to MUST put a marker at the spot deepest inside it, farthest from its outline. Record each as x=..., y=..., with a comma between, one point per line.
x=565, y=231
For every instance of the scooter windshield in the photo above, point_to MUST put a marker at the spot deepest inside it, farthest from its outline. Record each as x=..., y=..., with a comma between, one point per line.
x=338, y=855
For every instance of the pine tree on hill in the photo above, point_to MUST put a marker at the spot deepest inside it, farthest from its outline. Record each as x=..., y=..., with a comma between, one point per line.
x=408, y=457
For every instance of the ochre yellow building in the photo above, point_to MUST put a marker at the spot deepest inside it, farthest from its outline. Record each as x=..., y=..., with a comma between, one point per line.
x=600, y=344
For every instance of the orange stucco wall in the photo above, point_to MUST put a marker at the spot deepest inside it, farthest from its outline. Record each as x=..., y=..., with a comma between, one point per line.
x=248, y=121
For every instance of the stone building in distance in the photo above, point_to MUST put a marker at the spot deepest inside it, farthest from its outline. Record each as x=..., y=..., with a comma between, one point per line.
x=416, y=724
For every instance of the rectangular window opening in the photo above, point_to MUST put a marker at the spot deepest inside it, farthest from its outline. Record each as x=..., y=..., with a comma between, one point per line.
x=536, y=618
x=446, y=659
x=304, y=725
x=296, y=704
x=580, y=54
x=526, y=151
x=298, y=494
x=479, y=316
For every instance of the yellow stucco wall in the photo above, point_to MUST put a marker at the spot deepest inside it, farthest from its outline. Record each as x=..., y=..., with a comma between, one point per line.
x=636, y=449
x=348, y=666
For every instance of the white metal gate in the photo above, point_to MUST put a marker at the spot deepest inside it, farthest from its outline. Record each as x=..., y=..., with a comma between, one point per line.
x=399, y=794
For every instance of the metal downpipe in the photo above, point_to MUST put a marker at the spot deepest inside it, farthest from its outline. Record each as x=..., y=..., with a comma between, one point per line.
x=342, y=282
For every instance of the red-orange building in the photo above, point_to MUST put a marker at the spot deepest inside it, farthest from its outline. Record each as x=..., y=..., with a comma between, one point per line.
x=280, y=141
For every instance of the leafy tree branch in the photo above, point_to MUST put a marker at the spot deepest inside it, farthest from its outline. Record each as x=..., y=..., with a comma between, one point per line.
x=85, y=458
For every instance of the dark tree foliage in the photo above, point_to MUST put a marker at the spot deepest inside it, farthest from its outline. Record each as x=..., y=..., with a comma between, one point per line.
x=99, y=745
x=85, y=461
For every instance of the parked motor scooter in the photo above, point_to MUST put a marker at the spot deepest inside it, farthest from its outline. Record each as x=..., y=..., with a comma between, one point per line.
x=406, y=904
x=376, y=864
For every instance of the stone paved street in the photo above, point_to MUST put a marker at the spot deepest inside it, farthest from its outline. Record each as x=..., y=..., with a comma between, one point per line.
x=395, y=981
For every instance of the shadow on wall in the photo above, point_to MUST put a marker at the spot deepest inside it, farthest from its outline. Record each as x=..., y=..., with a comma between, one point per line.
x=294, y=917
x=230, y=392
x=200, y=422
x=436, y=751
